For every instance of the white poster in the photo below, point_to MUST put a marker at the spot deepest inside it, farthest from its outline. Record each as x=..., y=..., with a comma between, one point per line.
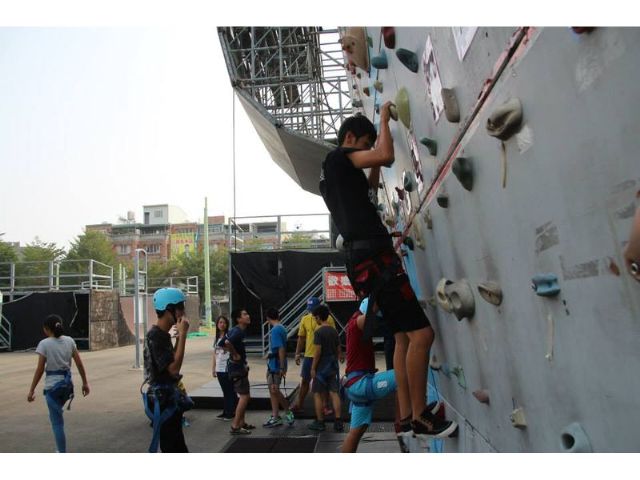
x=463, y=36
x=432, y=77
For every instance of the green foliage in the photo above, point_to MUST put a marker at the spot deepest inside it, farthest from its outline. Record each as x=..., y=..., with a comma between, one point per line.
x=37, y=274
x=92, y=245
x=7, y=253
x=42, y=251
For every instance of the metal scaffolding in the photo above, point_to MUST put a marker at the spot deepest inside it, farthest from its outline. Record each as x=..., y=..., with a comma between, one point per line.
x=296, y=73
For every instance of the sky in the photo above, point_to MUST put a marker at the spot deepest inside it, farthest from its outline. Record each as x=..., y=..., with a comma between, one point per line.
x=99, y=121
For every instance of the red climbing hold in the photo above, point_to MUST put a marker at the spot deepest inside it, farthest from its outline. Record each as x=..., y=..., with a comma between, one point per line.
x=389, y=36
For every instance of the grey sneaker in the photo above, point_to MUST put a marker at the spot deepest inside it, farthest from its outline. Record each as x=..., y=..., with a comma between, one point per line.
x=272, y=422
x=289, y=418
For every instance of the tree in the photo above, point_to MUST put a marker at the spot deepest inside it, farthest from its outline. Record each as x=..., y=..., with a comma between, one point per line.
x=92, y=246
x=37, y=274
x=7, y=253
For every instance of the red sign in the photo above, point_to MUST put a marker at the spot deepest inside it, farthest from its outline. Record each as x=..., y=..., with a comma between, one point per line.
x=337, y=288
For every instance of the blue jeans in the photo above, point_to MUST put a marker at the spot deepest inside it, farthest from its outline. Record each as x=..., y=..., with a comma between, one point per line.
x=55, y=404
x=230, y=397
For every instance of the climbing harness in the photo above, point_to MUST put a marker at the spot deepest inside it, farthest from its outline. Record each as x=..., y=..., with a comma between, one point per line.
x=174, y=400
x=62, y=389
x=353, y=377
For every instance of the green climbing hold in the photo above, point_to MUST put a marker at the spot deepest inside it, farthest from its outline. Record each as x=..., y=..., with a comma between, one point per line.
x=369, y=41
x=443, y=200
x=431, y=145
x=408, y=242
x=402, y=105
x=408, y=58
x=378, y=86
x=357, y=104
x=380, y=61
x=463, y=170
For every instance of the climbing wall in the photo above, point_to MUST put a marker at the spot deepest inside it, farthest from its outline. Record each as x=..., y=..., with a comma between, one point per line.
x=514, y=187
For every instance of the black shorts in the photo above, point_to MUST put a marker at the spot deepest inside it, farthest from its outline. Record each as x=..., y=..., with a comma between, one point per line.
x=397, y=300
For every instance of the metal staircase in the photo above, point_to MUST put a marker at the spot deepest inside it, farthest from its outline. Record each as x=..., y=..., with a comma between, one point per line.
x=291, y=312
x=5, y=333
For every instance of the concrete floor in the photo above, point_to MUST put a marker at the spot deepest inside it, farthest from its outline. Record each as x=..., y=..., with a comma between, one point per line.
x=111, y=418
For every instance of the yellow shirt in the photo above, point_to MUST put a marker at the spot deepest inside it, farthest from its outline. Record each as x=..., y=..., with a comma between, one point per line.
x=308, y=326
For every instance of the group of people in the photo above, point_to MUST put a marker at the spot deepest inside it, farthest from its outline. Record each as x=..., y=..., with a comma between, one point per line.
x=379, y=280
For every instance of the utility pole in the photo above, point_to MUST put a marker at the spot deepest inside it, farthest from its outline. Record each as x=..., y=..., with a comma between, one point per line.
x=207, y=274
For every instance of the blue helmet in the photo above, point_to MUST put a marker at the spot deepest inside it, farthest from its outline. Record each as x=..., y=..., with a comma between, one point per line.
x=312, y=303
x=167, y=296
x=363, y=305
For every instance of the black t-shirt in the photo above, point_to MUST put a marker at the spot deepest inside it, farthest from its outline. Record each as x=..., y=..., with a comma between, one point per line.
x=236, y=337
x=327, y=338
x=158, y=355
x=345, y=190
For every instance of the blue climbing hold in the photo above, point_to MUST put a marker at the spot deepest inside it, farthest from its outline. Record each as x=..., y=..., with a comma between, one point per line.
x=545, y=284
x=380, y=61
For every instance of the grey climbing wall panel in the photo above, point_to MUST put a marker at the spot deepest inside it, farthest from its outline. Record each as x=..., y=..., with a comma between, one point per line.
x=572, y=177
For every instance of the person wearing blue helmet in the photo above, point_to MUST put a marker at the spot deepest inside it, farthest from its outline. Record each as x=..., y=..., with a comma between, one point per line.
x=164, y=401
x=306, y=330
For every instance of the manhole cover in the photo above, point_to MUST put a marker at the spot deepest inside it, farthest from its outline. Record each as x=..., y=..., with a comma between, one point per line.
x=271, y=445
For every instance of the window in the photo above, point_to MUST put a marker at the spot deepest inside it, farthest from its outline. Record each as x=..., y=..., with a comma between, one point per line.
x=152, y=249
x=157, y=214
x=124, y=249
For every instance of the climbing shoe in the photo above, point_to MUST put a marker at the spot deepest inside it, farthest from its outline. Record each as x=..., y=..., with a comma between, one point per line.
x=338, y=426
x=248, y=426
x=272, y=422
x=239, y=431
x=289, y=418
x=317, y=425
x=430, y=424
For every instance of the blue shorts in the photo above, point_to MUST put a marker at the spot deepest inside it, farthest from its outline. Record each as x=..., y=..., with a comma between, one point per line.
x=382, y=384
x=305, y=371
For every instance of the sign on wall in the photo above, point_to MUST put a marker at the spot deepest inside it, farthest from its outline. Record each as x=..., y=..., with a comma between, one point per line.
x=337, y=288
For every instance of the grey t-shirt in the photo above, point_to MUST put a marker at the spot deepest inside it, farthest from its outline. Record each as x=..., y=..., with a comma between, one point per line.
x=327, y=338
x=58, y=353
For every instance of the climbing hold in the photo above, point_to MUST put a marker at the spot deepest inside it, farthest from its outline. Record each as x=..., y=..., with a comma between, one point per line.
x=393, y=112
x=417, y=235
x=377, y=108
x=389, y=36
x=517, y=418
x=445, y=370
x=365, y=90
x=575, y=440
x=434, y=363
x=581, y=30
x=408, y=58
x=380, y=61
x=482, y=396
x=441, y=294
x=459, y=373
x=505, y=120
x=357, y=103
x=388, y=220
x=409, y=180
x=400, y=193
x=355, y=87
x=427, y=219
x=545, y=284
x=408, y=242
x=451, y=109
x=354, y=42
x=369, y=41
x=491, y=292
x=402, y=105
x=380, y=207
x=358, y=75
x=443, y=200
x=340, y=242
x=461, y=299
x=378, y=86
x=463, y=170
x=431, y=145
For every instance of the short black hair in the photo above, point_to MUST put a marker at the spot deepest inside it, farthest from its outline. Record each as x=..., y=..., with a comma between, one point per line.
x=321, y=311
x=172, y=307
x=272, y=314
x=360, y=126
x=237, y=313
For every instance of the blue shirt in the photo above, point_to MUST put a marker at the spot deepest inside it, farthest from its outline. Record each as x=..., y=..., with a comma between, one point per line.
x=277, y=340
x=236, y=338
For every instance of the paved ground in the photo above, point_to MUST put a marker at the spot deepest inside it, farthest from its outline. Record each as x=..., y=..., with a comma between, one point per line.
x=111, y=418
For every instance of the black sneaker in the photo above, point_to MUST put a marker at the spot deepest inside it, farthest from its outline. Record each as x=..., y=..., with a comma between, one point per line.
x=429, y=424
x=403, y=434
x=221, y=416
x=338, y=426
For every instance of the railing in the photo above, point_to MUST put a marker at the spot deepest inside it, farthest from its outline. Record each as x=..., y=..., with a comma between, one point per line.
x=5, y=333
x=65, y=275
x=310, y=231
